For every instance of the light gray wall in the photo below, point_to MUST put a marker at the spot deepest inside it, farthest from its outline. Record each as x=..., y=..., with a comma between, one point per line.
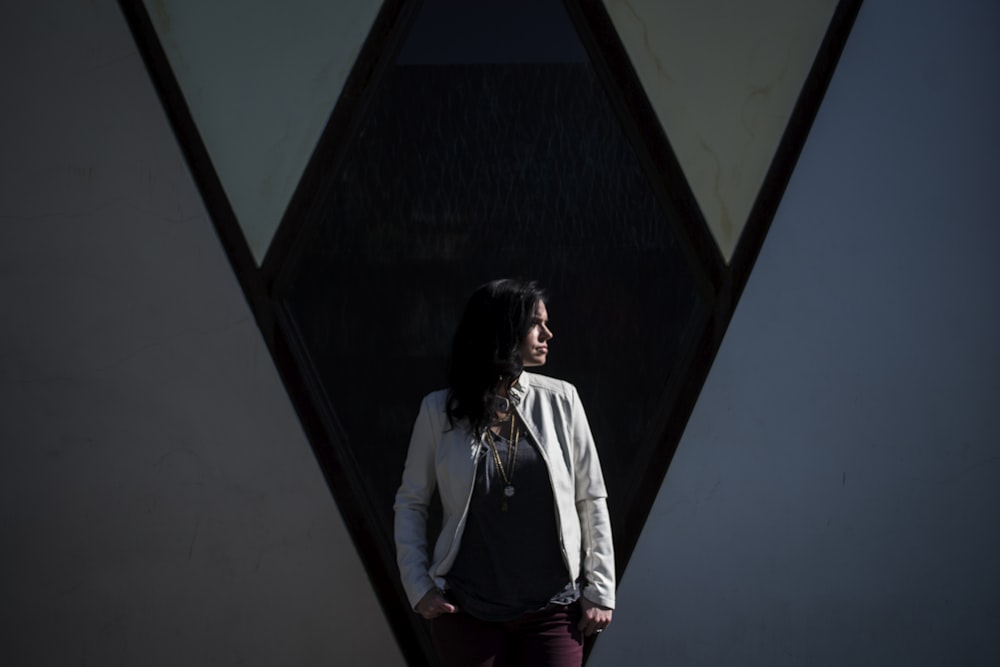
x=834, y=500
x=159, y=504
x=836, y=496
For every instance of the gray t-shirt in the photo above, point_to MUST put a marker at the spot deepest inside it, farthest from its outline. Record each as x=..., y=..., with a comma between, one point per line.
x=509, y=561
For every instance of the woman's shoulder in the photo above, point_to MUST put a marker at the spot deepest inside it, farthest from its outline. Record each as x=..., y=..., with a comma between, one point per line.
x=433, y=410
x=436, y=400
x=547, y=384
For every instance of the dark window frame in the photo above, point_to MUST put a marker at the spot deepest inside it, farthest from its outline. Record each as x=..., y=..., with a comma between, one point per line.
x=723, y=282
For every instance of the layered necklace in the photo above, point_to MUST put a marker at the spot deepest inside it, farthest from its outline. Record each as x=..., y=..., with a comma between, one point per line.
x=506, y=472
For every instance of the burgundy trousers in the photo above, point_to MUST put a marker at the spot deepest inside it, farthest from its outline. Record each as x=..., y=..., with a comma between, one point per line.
x=546, y=638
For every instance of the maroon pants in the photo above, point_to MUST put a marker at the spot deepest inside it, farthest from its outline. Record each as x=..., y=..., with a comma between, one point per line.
x=546, y=638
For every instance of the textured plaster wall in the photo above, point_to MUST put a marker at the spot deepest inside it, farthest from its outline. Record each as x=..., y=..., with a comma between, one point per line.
x=834, y=499
x=159, y=504
x=836, y=495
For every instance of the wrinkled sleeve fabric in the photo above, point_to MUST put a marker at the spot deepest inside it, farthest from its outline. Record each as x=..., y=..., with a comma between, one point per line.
x=598, y=557
x=412, y=500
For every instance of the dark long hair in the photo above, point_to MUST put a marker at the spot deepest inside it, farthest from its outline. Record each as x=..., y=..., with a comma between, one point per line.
x=485, y=354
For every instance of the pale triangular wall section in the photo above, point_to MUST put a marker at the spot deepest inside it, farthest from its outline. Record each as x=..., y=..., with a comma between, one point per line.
x=260, y=78
x=723, y=77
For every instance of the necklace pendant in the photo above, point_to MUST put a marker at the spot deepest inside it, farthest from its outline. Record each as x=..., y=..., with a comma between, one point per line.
x=509, y=490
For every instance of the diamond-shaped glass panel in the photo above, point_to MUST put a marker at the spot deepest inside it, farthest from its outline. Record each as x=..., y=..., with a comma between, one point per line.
x=479, y=161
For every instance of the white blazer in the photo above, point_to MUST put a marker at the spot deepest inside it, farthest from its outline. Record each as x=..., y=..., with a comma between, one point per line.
x=438, y=457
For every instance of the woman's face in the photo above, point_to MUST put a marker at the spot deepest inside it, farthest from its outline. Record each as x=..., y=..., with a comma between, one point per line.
x=534, y=347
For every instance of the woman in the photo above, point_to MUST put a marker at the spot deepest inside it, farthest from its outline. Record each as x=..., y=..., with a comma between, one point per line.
x=523, y=568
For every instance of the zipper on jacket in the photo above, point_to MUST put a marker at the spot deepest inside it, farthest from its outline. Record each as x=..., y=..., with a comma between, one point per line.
x=465, y=513
x=552, y=488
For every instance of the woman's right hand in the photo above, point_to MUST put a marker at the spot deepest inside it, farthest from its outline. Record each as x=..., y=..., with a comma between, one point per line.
x=433, y=604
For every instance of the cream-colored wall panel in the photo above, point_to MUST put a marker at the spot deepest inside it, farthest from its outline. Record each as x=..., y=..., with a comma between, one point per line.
x=723, y=77
x=260, y=78
x=160, y=502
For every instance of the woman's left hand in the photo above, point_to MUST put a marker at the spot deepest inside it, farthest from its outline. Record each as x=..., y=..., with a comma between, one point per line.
x=595, y=617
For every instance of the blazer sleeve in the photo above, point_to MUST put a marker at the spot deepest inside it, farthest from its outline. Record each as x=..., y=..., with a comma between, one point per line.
x=412, y=500
x=598, y=558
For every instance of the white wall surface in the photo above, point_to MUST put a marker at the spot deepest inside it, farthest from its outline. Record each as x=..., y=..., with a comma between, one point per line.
x=835, y=499
x=159, y=504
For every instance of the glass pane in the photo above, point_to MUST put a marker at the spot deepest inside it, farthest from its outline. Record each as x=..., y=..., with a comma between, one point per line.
x=474, y=163
x=260, y=79
x=723, y=78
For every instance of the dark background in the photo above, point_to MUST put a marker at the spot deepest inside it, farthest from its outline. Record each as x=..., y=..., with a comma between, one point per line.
x=462, y=174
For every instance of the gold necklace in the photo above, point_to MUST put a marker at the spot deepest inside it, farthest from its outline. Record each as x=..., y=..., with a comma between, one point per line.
x=508, y=473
